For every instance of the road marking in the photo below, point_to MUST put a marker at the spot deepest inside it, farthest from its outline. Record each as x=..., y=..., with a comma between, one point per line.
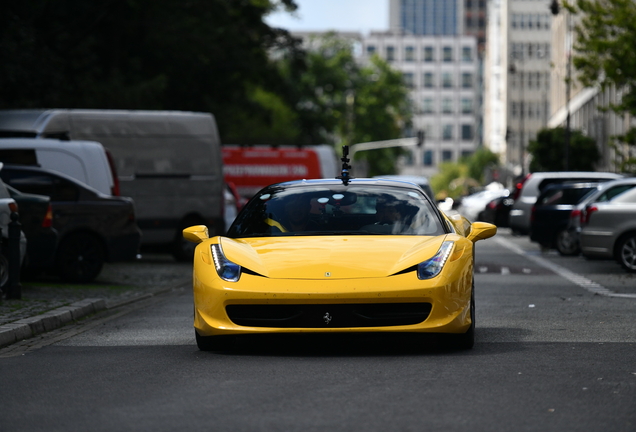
x=579, y=280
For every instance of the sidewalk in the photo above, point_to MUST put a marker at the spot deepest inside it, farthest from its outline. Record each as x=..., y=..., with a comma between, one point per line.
x=47, y=304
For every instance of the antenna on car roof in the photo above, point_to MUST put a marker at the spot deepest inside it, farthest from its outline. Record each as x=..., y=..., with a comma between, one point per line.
x=345, y=173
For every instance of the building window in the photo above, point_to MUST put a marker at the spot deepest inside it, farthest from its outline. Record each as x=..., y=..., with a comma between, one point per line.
x=447, y=80
x=467, y=132
x=447, y=106
x=447, y=132
x=429, y=55
x=427, y=106
x=409, y=54
x=408, y=79
x=447, y=54
x=390, y=53
x=447, y=155
x=466, y=154
x=467, y=54
x=428, y=158
x=370, y=50
x=467, y=106
x=429, y=81
x=467, y=80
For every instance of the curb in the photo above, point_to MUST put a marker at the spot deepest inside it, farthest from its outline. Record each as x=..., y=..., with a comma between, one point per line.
x=28, y=327
x=51, y=320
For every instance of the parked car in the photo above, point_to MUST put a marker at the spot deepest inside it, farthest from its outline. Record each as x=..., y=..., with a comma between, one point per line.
x=603, y=192
x=497, y=211
x=473, y=206
x=86, y=161
x=36, y=219
x=7, y=206
x=533, y=185
x=93, y=227
x=609, y=230
x=551, y=214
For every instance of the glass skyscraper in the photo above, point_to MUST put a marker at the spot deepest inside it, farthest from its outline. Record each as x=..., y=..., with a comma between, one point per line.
x=426, y=17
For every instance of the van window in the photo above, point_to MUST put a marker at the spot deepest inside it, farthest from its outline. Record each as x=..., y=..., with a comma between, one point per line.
x=18, y=156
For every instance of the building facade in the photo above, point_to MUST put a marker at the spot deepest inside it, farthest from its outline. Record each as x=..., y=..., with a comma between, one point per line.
x=426, y=17
x=517, y=78
x=442, y=73
x=584, y=105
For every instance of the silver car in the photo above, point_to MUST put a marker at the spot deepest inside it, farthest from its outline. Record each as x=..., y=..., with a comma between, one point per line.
x=609, y=230
x=568, y=241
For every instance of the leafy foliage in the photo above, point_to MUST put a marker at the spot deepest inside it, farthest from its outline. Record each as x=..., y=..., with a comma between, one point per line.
x=548, y=151
x=199, y=55
x=479, y=161
x=458, y=179
x=605, y=44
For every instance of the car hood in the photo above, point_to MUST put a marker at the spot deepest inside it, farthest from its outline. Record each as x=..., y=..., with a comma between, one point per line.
x=337, y=257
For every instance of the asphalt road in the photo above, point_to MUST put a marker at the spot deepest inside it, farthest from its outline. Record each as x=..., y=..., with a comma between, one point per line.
x=556, y=351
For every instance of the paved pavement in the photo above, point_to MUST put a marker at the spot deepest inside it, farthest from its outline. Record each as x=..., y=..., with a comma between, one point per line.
x=47, y=304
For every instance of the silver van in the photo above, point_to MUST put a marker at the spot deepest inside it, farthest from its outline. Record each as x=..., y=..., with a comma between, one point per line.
x=169, y=162
x=86, y=161
x=534, y=183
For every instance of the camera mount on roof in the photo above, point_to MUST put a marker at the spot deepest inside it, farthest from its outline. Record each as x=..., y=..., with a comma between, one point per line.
x=345, y=173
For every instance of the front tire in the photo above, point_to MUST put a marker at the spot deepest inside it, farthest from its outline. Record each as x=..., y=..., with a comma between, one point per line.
x=465, y=341
x=80, y=258
x=566, y=244
x=626, y=252
x=214, y=343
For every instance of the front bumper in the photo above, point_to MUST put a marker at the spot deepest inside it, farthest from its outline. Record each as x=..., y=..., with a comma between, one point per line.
x=326, y=303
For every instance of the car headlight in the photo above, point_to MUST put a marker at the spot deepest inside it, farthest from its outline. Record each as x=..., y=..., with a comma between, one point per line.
x=226, y=269
x=431, y=267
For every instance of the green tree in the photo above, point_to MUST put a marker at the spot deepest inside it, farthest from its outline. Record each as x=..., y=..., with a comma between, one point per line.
x=463, y=178
x=479, y=162
x=548, y=151
x=605, y=44
x=200, y=55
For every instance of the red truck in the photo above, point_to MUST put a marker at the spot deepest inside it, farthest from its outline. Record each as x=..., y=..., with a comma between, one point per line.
x=254, y=167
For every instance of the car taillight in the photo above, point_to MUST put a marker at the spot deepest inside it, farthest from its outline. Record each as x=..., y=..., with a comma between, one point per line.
x=587, y=213
x=492, y=204
x=111, y=163
x=534, y=209
x=575, y=214
x=518, y=187
x=13, y=207
x=48, y=218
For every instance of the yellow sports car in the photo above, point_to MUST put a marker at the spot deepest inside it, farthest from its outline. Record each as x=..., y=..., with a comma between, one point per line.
x=329, y=256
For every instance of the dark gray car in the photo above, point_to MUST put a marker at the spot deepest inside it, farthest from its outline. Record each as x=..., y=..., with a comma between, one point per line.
x=93, y=228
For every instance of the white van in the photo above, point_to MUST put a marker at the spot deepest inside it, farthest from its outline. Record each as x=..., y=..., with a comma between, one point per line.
x=169, y=162
x=86, y=161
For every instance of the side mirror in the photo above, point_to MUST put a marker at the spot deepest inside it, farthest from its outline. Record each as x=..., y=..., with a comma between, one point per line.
x=196, y=234
x=481, y=231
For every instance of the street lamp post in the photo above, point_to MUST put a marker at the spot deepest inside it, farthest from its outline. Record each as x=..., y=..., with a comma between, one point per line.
x=513, y=70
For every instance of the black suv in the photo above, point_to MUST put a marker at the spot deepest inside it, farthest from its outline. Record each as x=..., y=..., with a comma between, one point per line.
x=93, y=228
x=551, y=214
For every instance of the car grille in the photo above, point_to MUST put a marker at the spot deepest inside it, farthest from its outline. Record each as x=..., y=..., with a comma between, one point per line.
x=329, y=315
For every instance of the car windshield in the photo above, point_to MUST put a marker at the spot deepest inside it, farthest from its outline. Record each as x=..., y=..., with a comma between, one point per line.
x=337, y=210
